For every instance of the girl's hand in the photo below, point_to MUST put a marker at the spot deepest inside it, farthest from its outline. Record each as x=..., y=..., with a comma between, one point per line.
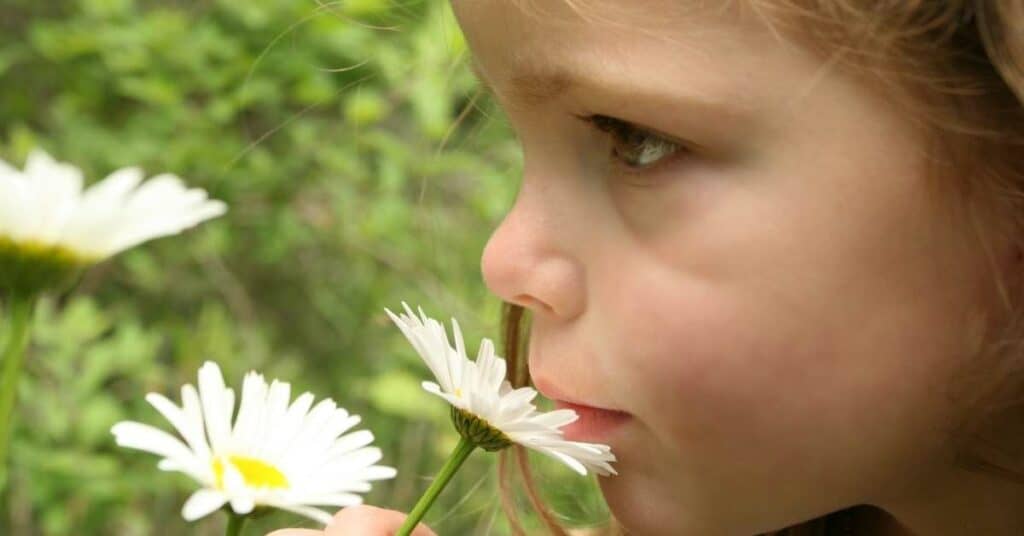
x=360, y=520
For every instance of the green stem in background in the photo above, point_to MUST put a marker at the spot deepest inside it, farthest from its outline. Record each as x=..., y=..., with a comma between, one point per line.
x=459, y=455
x=235, y=523
x=20, y=308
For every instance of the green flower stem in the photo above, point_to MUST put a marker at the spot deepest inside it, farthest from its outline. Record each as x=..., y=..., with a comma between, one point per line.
x=20, y=308
x=235, y=523
x=459, y=455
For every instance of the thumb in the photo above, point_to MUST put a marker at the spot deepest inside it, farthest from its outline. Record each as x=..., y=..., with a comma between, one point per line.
x=365, y=520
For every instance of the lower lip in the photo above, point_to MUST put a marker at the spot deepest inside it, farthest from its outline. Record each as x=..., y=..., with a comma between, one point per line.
x=594, y=425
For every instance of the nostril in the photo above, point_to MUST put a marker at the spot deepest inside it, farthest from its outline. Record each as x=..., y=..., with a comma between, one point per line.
x=532, y=303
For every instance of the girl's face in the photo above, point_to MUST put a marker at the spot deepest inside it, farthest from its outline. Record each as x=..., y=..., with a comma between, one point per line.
x=741, y=250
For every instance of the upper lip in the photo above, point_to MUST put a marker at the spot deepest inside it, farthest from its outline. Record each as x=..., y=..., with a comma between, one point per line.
x=549, y=390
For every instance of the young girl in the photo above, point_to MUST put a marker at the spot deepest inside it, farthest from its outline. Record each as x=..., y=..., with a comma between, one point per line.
x=780, y=241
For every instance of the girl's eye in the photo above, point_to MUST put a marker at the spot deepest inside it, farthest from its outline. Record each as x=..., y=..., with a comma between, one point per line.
x=634, y=148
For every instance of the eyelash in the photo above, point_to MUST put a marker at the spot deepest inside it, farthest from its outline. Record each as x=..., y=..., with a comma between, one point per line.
x=644, y=141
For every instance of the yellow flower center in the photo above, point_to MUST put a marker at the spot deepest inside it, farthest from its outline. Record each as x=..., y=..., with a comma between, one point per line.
x=255, y=473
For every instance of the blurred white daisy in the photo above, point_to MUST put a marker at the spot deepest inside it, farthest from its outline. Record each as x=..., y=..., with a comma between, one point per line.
x=50, y=223
x=485, y=408
x=293, y=456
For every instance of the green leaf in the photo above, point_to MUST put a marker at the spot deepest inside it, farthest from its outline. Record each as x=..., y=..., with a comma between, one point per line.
x=103, y=9
x=399, y=393
x=365, y=107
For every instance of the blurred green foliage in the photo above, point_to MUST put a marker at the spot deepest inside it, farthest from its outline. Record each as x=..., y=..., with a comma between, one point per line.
x=336, y=133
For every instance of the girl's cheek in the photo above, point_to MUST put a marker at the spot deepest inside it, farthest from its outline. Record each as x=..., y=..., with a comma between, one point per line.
x=733, y=385
x=706, y=361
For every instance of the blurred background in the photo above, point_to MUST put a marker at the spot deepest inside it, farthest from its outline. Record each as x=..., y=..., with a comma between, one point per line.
x=362, y=167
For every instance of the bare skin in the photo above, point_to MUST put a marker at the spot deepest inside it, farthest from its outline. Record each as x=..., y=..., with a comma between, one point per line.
x=362, y=520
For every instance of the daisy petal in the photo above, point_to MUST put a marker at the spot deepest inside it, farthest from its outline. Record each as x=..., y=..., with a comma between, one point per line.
x=202, y=503
x=46, y=205
x=315, y=514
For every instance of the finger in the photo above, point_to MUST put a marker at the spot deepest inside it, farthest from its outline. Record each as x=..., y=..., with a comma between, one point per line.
x=365, y=520
x=296, y=532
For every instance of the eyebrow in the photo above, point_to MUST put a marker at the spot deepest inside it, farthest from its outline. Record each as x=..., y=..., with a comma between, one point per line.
x=534, y=85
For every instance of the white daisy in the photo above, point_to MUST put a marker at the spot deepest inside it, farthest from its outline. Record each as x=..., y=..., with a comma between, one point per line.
x=276, y=454
x=486, y=409
x=47, y=217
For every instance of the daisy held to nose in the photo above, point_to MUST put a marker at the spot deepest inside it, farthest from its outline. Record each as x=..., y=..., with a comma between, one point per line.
x=486, y=410
x=51, y=229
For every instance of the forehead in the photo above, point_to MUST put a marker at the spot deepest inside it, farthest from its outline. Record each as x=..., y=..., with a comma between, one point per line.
x=530, y=51
x=649, y=12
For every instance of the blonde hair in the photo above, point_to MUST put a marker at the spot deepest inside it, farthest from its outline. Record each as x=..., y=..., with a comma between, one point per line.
x=956, y=67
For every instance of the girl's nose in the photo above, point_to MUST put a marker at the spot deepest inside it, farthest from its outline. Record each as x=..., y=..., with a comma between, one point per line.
x=528, y=261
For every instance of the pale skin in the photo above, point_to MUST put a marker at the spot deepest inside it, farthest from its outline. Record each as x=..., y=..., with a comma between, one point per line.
x=362, y=520
x=782, y=307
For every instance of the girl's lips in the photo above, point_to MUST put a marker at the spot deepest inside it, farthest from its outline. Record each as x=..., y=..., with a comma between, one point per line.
x=595, y=425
